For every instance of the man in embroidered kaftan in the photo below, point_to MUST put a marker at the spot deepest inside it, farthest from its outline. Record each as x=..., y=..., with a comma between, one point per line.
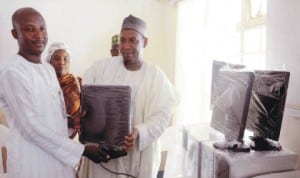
x=152, y=101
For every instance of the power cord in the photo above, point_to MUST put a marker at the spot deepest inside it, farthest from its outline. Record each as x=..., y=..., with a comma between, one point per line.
x=117, y=173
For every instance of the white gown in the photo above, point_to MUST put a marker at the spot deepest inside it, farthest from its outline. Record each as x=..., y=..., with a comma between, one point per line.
x=153, y=99
x=39, y=146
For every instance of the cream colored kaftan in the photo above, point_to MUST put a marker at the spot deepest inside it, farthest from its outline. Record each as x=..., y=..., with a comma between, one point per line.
x=153, y=99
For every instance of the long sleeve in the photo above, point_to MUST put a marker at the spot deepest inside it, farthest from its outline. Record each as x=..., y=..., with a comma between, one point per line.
x=21, y=102
x=93, y=73
x=161, y=98
x=89, y=76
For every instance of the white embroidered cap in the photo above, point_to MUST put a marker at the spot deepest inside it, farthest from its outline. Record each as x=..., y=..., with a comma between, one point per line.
x=56, y=46
x=134, y=23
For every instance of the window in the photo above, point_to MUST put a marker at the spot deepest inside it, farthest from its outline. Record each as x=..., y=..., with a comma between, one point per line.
x=253, y=32
x=232, y=31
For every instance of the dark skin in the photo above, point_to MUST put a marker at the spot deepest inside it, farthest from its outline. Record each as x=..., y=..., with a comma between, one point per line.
x=130, y=140
x=60, y=60
x=29, y=29
x=115, y=50
x=131, y=48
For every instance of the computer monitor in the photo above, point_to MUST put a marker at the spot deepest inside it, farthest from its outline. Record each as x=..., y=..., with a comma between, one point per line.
x=216, y=83
x=267, y=103
x=106, y=121
x=230, y=99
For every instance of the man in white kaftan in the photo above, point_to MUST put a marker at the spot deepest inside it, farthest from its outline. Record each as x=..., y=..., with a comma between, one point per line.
x=152, y=101
x=39, y=143
x=38, y=146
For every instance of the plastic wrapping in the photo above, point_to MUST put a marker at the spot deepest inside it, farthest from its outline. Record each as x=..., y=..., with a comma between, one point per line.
x=192, y=138
x=267, y=103
x=231, y=93
x=225, y=164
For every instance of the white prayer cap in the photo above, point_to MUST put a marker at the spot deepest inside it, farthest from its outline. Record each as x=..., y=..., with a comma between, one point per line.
x=134, y=23
x=56, y=46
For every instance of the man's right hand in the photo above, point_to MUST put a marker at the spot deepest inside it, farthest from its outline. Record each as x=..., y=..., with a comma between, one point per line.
x=95, y=154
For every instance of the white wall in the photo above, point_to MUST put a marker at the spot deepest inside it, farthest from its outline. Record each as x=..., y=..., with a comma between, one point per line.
x=283, y=48
x=87, y=26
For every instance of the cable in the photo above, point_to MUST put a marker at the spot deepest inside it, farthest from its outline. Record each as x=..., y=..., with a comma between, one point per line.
x=118, y=173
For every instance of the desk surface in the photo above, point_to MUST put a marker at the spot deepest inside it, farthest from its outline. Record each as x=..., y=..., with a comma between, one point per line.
x=202, y=160
x=286, y=174
x=219, y=164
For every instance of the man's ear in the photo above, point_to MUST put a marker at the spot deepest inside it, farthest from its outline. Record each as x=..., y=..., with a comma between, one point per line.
x=14, y=33
x=145, y=42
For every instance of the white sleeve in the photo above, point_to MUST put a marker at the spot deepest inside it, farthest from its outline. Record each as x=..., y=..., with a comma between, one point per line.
x=20, y=101
x=161, y=100
x=89, y=76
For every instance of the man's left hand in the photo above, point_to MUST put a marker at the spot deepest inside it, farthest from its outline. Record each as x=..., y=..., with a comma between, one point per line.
x=130, y=140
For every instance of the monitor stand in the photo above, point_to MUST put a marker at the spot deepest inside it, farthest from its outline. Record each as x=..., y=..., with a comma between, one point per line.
x=235, y=146
x=260, y=143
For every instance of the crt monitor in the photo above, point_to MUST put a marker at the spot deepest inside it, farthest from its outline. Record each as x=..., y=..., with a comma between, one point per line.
x=230, y=99
x=267, y=103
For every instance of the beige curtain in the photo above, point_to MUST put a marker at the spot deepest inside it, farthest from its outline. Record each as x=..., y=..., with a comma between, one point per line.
x=206, y=30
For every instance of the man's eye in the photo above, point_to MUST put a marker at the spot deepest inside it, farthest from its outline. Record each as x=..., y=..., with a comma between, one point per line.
x=56, y=59
x=133, y=40
x=29, y=29
x=43, y=29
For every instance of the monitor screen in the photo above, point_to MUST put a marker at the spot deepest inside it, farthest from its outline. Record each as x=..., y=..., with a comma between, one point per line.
x=231, y=93
x=216, y=84
x=267, y=103
x=107, y=118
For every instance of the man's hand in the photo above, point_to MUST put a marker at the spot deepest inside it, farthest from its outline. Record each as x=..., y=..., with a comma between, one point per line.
x=95, y=154
x=130, y=140
x=83, y=113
